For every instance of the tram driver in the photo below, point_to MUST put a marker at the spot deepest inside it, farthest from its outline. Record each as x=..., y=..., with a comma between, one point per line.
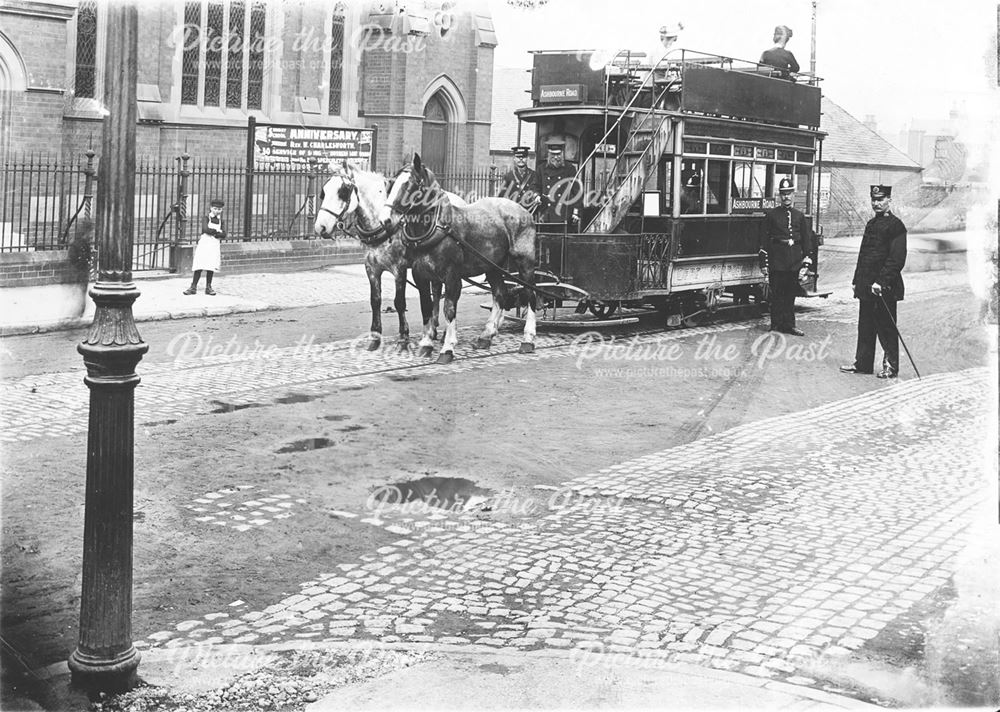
x=520, y=181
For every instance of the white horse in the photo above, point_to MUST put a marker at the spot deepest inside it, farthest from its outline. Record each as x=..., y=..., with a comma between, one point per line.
x=354, y=201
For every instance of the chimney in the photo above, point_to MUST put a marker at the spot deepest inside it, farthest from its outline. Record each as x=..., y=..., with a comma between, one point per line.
x=870, y=122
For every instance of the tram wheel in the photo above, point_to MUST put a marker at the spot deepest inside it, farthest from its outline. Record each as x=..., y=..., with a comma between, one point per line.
x=602, y=310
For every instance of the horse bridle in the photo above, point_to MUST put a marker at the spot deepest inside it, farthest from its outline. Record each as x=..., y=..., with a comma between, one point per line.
x=366, y=236
x=438, y=226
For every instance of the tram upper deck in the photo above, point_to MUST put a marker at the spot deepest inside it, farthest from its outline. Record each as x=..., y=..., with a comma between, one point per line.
x=685, y=81
x=693, y=135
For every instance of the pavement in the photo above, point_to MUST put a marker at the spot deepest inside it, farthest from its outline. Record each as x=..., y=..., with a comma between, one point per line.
x=162, y=296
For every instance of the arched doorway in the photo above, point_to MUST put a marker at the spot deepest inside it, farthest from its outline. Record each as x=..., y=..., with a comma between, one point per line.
x=434, y=141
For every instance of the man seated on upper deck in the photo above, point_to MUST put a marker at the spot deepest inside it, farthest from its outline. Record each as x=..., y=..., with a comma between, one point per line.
x=559, y=192
x=779, y=57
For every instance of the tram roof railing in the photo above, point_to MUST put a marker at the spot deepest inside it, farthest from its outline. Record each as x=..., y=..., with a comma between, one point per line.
x=637, y=60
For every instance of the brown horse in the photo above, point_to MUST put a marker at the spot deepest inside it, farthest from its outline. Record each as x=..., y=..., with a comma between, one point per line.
x=447, y=242
x=354, y=201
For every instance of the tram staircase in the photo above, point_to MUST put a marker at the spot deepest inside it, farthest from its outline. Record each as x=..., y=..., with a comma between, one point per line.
x=648, y=140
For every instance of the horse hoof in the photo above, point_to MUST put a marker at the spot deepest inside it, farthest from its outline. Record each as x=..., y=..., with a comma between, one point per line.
x=526, y=348
x=374, y=344
x=426, y=351
x=445, y=357
x=403, y=347
x=482, y=343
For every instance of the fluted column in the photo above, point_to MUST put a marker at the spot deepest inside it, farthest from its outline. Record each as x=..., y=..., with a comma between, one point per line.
x=105, y=658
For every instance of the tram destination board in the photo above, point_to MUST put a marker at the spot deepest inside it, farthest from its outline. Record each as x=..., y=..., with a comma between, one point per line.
x=282, y=145
x=743, y=206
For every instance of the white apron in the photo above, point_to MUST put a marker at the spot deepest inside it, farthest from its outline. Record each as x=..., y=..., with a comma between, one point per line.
x=207, y=254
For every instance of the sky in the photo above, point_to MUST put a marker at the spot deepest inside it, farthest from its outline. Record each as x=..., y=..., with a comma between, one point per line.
x=894, y=59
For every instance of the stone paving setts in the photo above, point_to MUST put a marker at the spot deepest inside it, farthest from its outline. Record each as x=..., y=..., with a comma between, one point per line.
x=727, y=552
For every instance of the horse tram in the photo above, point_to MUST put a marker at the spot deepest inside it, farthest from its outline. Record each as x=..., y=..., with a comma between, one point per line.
x=675, y=162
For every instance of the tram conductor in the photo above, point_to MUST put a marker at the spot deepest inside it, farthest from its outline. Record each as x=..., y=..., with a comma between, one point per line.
x=786, y=245
x=557, y=187
x=519, y=182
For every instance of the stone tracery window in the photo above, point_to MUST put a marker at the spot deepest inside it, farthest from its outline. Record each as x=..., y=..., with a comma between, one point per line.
x=222, y=65
x=336, y=79
x=85, y=84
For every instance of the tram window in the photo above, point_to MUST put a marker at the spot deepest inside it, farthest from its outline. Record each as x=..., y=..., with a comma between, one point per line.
x=803, y=187
x=806, y=156
x=749, y=180
x=664, y=184
x=784, y=155
x=718, y=180
x=692, y=180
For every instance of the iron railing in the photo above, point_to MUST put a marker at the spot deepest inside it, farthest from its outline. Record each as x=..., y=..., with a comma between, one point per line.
x=43, y=200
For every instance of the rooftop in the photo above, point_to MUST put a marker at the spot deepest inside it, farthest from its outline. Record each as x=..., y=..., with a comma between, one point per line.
x=850, y=141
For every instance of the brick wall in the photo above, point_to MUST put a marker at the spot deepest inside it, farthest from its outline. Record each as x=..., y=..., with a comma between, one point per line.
x=34, y=269
x=393, y=83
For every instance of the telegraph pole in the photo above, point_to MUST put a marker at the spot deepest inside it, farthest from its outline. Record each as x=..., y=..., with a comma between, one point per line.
x=812, y=48
x=105, y=658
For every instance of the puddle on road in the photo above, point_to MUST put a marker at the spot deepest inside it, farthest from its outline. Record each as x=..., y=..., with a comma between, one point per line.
x=351, y=428
x=154, y=423
x=401, y=379
x=222, y=407
x=442, y=492
x=296, y=398
x=336, y=418
x=305, y=445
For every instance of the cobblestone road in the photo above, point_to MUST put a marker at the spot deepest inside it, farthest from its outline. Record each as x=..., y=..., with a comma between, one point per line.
x=56, y=404
x=728, y=552
x=52, y=405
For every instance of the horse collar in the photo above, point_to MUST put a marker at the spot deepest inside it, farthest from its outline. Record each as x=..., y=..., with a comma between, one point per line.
x=441, y=229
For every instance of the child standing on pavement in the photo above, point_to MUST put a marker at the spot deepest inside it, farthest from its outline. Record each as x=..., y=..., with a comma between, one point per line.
x=207, y=254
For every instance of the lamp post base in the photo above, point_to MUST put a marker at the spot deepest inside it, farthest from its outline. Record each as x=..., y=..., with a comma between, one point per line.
x=104, y=674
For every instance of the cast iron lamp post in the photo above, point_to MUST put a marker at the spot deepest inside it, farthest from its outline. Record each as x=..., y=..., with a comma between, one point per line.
x=105, y=658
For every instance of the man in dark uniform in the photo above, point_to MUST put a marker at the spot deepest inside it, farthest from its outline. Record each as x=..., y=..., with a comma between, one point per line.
x=786, y=244
x=878, y=285
x=520, y=181
x=558, y=191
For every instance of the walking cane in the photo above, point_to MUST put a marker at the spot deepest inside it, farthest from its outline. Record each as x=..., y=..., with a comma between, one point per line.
x=894, y=326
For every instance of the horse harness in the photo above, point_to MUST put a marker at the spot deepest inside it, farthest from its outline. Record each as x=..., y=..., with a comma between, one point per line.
x=368, y=237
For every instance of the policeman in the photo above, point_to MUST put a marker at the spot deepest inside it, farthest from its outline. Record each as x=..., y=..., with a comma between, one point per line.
x=786, y=244
x=519, y=182
x=878, y=285
x=556, y=186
